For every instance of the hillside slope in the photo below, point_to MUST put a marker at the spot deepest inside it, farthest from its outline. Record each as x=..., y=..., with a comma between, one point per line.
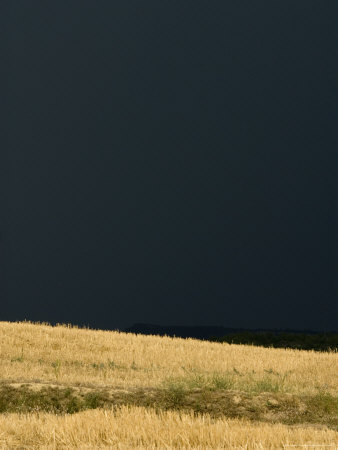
x=65, y=369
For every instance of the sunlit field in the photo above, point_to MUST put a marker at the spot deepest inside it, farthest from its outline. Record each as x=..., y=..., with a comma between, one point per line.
x=137, y=427
x=81, y=356
x=69, y=387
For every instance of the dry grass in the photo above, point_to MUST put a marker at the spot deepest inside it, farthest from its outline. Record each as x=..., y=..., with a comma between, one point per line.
x=319, y=410
x=82, y=357
x=138, y=427
x=154, y=390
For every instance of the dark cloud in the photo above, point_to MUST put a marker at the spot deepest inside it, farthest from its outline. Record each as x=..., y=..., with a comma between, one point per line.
x=170, y=162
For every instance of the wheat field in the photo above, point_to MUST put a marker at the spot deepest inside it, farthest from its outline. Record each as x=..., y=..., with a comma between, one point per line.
x=135, y=427
x=37, y=354
x=81, y=356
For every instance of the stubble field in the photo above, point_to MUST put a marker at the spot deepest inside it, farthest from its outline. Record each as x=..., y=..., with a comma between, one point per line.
x=66, y=387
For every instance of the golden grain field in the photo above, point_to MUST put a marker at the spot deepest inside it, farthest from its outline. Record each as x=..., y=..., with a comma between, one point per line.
x=136, y=427
x=70, y=356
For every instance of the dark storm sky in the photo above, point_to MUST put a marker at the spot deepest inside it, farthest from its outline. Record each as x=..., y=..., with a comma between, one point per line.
x=169, y=162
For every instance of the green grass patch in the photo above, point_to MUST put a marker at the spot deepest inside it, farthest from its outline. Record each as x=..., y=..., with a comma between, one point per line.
x=212, y=395
x=222, y=381
x=323, y=403
x=267, y=385
x=174, y=394
x=50, y=399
